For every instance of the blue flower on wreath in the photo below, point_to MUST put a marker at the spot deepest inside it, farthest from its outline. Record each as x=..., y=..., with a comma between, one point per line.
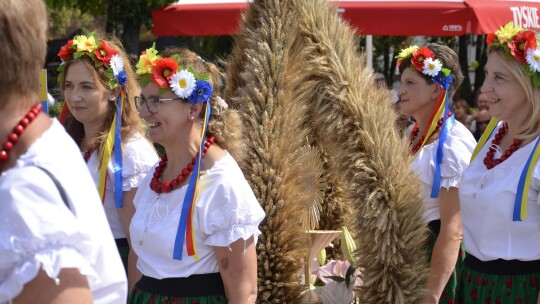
x=201, y=93
x=122, y=79
x=443, y=80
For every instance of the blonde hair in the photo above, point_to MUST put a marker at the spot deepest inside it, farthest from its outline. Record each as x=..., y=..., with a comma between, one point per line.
x=227, y=125
x=131, y=123
x=531, y=129
x=23, y=36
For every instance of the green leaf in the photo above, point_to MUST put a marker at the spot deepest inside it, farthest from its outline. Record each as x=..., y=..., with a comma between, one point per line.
x=109, y=73
x=203, y=77
x=192, y=71
x=112, y=84
x=445, y=71
x=144, y=80
x=335, y=278
x=349, y=274
x=536, y=80
x=176, y=58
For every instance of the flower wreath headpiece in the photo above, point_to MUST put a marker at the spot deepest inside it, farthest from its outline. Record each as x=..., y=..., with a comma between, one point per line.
x=521, y=45
x=101, y=55
x=424, y=61
x=167, y=73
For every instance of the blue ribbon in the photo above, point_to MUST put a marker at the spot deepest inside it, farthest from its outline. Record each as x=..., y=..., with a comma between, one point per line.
x=438, y=159
x=189, y=198
x=118, y=191
x=521, y=185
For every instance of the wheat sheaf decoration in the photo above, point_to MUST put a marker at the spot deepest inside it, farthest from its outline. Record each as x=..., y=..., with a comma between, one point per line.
x=258, y=82
x=354, y=122
x=311, y=114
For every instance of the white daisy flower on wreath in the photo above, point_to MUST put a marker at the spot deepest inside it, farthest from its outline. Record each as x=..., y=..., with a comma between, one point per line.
x=117, y=64
x=533, y=59
x=182, y=83
x=432, y=67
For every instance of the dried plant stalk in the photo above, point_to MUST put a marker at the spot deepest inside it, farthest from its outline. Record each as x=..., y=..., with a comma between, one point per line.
x=259, y=73
x=354, y=123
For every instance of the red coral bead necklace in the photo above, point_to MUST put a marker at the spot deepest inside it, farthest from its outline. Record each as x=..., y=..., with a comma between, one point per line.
x=13, y=137
x=489, y=160
x=415, y=133
x=166, y=187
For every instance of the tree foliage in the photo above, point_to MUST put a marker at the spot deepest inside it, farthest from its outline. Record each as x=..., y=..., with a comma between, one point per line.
x=123, y=17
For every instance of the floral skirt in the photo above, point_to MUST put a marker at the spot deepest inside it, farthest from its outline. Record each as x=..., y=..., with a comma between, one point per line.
x=476, y=286
x=195, y=289
x=449, y=293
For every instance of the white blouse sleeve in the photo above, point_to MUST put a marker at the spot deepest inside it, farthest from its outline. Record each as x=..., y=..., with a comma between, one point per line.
x=232, y=213
x=139, y=158
x=457, y=151
x=37, y=231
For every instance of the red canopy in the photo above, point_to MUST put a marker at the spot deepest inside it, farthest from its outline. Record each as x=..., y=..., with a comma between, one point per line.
x=371, y=17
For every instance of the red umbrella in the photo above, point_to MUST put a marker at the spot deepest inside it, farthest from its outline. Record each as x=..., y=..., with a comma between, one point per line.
x=371, y=17
x=487, y=16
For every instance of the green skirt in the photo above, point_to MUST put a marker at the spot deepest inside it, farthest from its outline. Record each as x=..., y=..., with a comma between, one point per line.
x=139, y=296
x=482, y=287
x=123, y=249
x=195, y=289
x=449, y=293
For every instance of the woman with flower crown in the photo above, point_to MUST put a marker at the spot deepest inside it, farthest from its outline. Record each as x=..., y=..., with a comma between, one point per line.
x=441, y=147
x=196, y=220
x=55, y=244
x=500, y=190
x=99, y=113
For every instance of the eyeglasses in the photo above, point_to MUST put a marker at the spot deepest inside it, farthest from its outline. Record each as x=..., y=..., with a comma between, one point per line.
x=152, y=103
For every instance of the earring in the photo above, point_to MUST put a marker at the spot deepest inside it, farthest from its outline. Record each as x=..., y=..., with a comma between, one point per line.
x=192, y=118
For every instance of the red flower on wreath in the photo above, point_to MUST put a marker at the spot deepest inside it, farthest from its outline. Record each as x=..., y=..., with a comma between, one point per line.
x=419, y=57
x=163, y=69
x=521, y=43
x=66, y=51
x=104, y=53
x=490, y=38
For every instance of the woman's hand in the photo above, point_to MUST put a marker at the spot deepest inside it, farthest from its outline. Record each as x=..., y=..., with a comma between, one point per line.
x=238, y=268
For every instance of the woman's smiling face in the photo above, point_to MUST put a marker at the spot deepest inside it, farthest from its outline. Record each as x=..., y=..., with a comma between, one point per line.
x=505, y=94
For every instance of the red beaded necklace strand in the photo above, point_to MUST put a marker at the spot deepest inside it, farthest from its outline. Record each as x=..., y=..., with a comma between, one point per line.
x=18, y=130
x=415, y=133
x=488, y=160
x=166, y=187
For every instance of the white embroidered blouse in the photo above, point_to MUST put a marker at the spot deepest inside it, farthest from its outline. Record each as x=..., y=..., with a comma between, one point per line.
x=226, y=210
x=38, y=231
x=139, y=157
x=487, y=202
x=457, y=151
